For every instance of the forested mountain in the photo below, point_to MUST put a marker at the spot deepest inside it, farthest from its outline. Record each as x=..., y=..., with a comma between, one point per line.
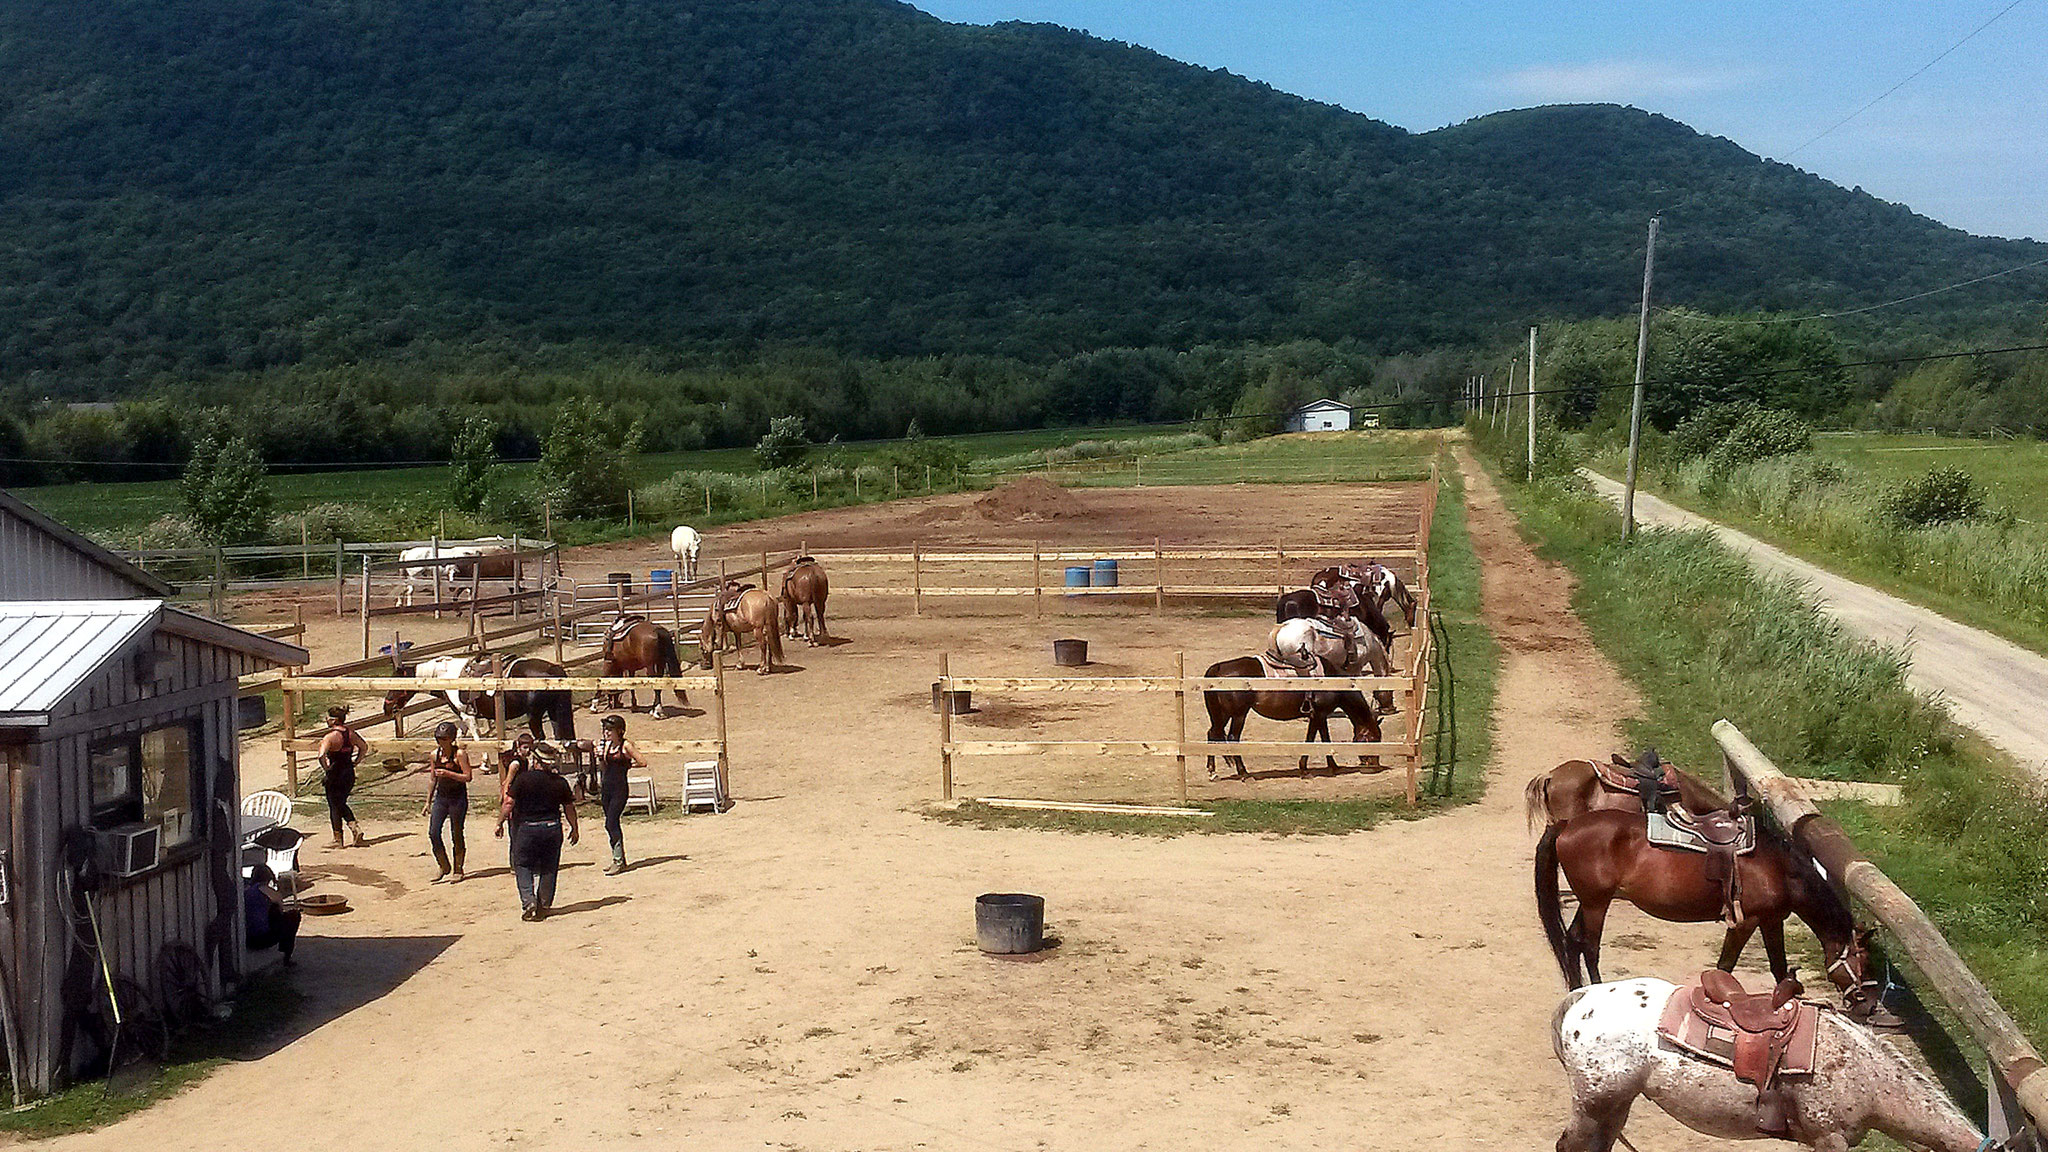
x=195, y=187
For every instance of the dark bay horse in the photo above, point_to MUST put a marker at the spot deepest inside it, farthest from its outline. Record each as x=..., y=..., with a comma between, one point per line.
x=635, y=645
x=1346, y=597
x=553, y=704
x=1230, y=707
x=1607, y=853
x=1574, y=787
x=804, y=590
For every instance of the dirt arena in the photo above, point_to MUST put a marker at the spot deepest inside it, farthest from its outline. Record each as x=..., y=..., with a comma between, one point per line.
x=800, y=972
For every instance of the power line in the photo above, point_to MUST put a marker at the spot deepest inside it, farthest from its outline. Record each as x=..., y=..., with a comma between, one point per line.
x=1908, y=80
x=1886, y=304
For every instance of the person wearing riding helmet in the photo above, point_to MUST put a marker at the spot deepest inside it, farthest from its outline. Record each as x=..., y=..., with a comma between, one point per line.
x=449, y=773
x=537, y=803
x=341, y=749
x=615, y=756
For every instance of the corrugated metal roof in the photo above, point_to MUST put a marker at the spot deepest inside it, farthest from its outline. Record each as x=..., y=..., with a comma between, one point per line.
x=48, y=646
x=24, y=567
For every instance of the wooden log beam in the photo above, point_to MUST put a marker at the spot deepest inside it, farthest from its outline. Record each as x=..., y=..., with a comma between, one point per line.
x=1173, y=748
x=417, y=744
x=1176, y=684
x=1089, y=806
x=2012, y=1057
x=500, y=683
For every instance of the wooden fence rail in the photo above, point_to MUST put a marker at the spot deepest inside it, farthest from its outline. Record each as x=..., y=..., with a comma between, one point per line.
x=2020, y=1089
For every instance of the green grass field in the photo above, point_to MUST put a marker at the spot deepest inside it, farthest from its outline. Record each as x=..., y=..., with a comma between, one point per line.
x=2014, y=471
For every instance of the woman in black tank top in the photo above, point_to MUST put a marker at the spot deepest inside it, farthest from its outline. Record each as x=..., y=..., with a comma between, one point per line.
x=449, y=773
x=615, y=756
x=340, y=751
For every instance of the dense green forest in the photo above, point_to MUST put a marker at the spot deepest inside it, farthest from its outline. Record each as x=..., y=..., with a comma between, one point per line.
x=343, y=221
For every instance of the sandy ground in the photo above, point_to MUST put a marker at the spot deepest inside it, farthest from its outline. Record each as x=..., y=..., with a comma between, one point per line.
x=800, y=972
x=1986, y=682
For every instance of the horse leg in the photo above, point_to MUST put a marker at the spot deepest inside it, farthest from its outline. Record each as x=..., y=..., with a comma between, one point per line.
x=1582, y=941
x=1736, y=940
x=1236, y=736
x=1774, y=948
x=1595, y=1124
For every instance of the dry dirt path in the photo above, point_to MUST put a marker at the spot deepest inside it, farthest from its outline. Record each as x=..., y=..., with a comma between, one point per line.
x=799, y=973
x=1987, y=682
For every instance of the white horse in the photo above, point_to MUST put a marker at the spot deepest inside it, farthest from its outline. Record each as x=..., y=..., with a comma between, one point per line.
x=1606, y=1037
x=685, y=542
x=421, y=562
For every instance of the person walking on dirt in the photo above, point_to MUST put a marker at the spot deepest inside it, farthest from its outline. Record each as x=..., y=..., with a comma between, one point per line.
x=341, y=749
x=615, y=756
x=537, y=803
x=525, y=752
x=449, y=774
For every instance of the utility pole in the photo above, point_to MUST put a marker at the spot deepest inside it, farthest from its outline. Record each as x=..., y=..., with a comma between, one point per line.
x=1532, y=404
x=1635, y=415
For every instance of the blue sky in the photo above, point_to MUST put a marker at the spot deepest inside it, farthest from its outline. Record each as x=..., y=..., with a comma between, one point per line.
x=1965, y=143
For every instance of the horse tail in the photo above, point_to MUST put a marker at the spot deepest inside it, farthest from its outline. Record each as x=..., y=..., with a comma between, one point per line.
x=775, y=632
x=1537, y=794
x=1549, y=908
x=669, y=660
x=1557, y=1021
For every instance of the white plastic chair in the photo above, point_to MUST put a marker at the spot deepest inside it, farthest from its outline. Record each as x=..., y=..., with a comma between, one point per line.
x=640, y=791
x=704, y=786
x=270, y=806
x=274, y=809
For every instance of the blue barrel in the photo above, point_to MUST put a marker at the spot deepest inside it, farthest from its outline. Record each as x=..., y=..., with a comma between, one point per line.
x=1105, y=573
x=1077, y=577
x=658, y=579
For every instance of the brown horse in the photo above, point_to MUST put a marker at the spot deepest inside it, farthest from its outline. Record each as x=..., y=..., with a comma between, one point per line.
x=804, y=589
x=1229, y=708
x=553, y=704
x=636, y=645
x=755, y=611
x=1574, y=787
x=1607, y=853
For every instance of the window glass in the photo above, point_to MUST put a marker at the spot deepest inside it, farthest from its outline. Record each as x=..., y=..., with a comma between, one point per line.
x=168, y=795
x=113, y=783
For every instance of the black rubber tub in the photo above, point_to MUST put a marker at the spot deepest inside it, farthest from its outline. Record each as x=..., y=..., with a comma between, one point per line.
x=960, y=702
x=1070, y=653
x=1009, y=923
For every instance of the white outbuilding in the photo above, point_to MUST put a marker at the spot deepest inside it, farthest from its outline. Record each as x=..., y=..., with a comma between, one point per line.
x=1322, y=416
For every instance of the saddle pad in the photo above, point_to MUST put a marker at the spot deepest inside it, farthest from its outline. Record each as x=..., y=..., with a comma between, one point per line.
x=1664, y=834
x=1275, y=668
x=622, y=625
x=1622, y=779
x=1687, y=1031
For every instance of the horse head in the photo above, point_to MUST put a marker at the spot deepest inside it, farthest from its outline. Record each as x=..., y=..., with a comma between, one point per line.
x=397, y=697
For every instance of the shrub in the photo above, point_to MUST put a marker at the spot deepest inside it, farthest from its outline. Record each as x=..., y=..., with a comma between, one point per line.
x=784, y=445
x=1943, y=495
x=1705, y=430
x=225, y=491
x=334, y=520
x=584, y=464
x=475, y=453
x=166, y=531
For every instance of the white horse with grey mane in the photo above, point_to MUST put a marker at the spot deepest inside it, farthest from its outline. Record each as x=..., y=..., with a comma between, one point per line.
x=685, y=542
x=1606, y=1037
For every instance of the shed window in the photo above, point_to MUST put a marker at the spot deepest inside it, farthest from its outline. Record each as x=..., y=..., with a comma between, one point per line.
x=150, y=776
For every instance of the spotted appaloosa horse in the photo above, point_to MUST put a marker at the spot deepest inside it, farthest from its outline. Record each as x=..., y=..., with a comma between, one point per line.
x=1606, y=1038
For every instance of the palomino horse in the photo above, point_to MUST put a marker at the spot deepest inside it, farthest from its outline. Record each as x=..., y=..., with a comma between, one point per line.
x=1331, y=593
x=804, y=589
x=1607, y=853
x=635, y=644
x=1326, y=647
x=1229, y=707
x=554, y=704
x=685, y=543
x=752, y=611
x=1576, y=786
x=1606, y=1037
x=1380, y=584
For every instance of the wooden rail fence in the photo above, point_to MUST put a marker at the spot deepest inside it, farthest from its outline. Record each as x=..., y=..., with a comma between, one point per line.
x=2019, y=1079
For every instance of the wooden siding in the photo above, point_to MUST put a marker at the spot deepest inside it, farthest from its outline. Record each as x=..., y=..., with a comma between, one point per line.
x=137, y=917
x=37, y=566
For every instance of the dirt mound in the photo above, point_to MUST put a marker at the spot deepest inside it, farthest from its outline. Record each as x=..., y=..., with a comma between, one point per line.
x=1029, y=498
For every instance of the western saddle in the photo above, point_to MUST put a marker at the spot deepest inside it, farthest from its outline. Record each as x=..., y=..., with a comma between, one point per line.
x=1763, y=1037
x=1721, y=834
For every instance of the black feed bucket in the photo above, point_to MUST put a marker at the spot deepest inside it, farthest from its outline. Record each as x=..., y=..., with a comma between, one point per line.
x=251, y=712
x=1070, y=653
x=1009, y=923
x=959, y=702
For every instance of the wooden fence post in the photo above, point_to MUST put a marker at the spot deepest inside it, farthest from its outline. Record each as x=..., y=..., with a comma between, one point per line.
x=764, y=573
x=916, y=578
x=340, y=581
x=1180, y=704
x=437, y=577
x=631, y=523
x=398, y=714
x=707, y=499
x=291, y=735
x=927, y=477
x=1279, y=566
x=476, y=624
x=1159, y=568
x=1037, y=583
x=945, y=729
x=814, y=485
x=554, y=595
x=718, y=694
x=1141, y=472
x=366, y=605
x=895, y=477
x=305, y=549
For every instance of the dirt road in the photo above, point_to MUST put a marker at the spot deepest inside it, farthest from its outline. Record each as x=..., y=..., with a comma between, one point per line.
x=1987, y=682
x=800, y=972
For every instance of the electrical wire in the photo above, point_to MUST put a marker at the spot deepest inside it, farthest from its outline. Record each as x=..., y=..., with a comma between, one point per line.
x=1908, y=80
x=1875, y=307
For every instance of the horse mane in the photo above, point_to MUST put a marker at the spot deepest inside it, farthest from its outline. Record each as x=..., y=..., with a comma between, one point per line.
x=1830, y=911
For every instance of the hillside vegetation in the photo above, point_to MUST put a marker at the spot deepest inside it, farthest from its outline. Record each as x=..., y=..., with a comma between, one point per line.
x=200, y=189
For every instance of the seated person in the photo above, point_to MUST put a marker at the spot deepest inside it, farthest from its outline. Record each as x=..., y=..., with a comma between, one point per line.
x=267, y=921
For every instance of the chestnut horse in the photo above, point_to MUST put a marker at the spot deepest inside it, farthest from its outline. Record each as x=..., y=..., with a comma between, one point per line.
x=1574, y=787
x=638, y=645
x=755, y=611
x=804, y=589
x=1607, y=853
x=1229, y=707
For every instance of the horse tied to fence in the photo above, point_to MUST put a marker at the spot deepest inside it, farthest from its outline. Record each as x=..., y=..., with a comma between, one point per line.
x=636, y=646
x=554, y=704
x=1299, y=648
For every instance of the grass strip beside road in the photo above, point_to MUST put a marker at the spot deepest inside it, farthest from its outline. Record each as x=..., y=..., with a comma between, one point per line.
x=1703, y=638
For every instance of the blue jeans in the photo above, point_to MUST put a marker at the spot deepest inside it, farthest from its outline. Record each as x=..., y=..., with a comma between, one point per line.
x=450, y=807
x=536, y=859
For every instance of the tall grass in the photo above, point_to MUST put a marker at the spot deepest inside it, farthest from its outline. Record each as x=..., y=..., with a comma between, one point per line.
x=1705, y=638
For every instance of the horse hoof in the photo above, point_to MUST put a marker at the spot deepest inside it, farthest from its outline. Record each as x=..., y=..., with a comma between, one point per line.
x=658, y=714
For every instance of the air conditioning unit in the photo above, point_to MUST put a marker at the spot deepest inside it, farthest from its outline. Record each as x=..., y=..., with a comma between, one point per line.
x=130, y=849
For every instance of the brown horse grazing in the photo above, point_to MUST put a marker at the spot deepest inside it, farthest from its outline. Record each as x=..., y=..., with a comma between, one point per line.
x=755, y=611
x=1229, y=707
x=1575, y=786
x=1607, y=853
x=637, y=645
x=804, y=589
